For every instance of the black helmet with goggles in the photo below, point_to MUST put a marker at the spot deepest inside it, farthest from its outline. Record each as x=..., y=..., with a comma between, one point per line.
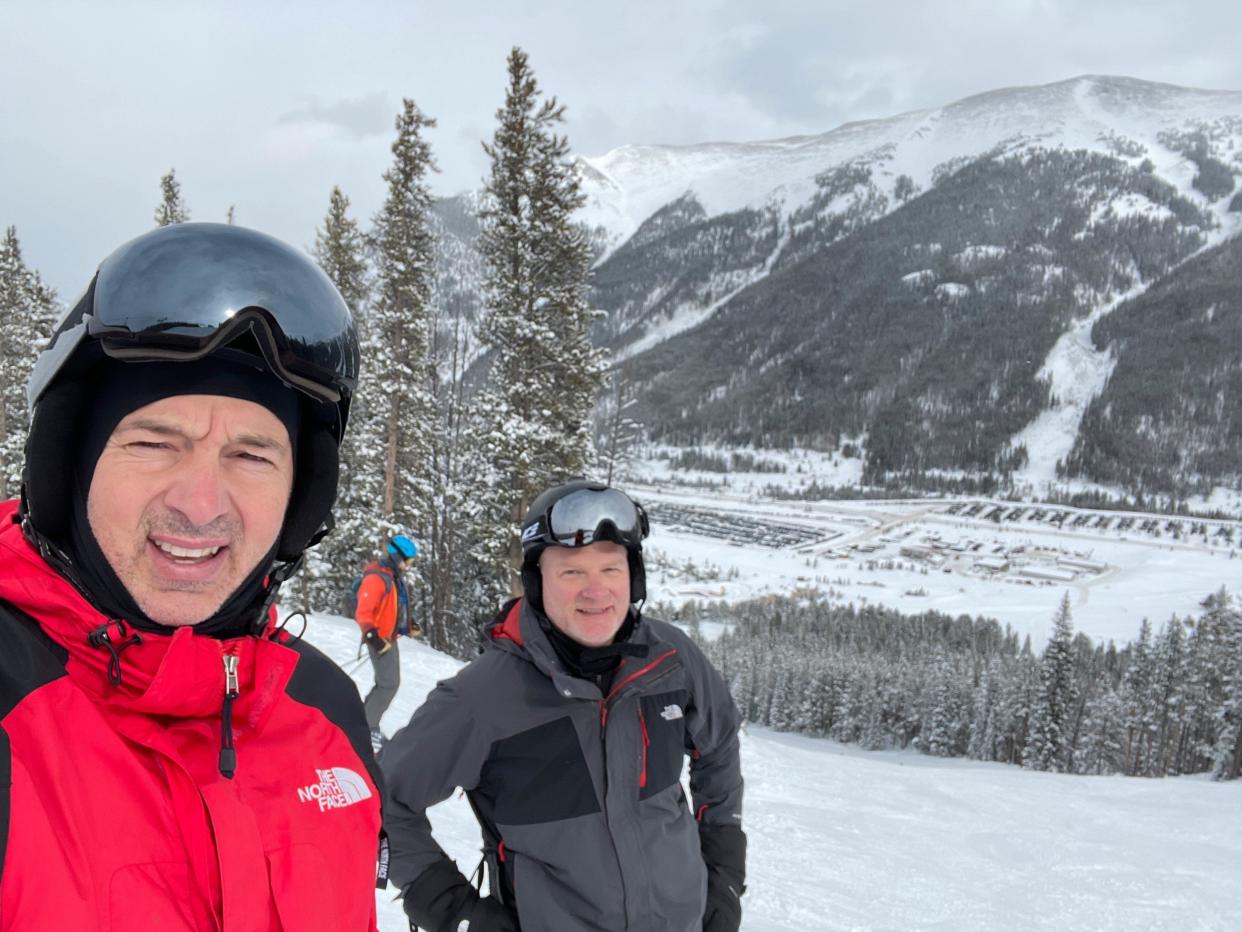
x=183, y=293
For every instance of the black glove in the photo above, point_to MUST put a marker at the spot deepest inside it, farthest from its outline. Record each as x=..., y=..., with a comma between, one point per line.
x=490, y=915
x=724, y=852
x=440, y=898
x=373, y=640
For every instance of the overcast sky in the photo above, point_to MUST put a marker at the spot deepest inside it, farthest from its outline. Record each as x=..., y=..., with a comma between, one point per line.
x=266, y=105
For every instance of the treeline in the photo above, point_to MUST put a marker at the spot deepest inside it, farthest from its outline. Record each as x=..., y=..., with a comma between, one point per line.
x=1168, y=702
x=459, y=419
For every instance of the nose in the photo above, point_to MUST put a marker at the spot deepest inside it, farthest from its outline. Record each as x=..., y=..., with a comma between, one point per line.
x=197, y=491
x=595, y=589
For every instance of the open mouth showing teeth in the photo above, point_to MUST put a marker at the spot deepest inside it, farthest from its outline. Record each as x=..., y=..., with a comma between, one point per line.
x=186, y=554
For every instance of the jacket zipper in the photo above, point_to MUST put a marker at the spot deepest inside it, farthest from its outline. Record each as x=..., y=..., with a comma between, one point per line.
x=228, y=756
x=603, y=703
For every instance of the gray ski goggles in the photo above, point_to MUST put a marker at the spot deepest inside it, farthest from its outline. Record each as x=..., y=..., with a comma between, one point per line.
x=586, y=516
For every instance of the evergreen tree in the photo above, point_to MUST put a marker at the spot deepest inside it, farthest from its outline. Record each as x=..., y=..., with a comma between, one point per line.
x=982, y=744
x=544, y=371
x=1226, y=661
x=27, y=311
x=1168, y=694
x=1137, y=700
x=171, y=209
x=340, y=250
x=1048, y=744
x=399, y=388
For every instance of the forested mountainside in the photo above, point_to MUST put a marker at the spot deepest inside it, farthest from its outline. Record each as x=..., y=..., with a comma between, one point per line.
x=1171, y=414
x=926, y=328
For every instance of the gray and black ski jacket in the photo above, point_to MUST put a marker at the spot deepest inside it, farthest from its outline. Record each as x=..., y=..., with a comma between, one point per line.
x=585, y=822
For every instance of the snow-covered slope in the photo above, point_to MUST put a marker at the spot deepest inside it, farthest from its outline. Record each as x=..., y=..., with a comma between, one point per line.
x=847, y=839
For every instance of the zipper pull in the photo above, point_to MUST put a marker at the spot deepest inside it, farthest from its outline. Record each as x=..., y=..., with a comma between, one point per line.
x=228, y=756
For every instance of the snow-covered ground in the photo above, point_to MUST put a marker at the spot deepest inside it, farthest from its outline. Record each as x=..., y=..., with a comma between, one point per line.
x=846, y=839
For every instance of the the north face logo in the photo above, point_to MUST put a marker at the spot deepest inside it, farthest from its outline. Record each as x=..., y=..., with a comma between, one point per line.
x=671, y=713
x=337, y=788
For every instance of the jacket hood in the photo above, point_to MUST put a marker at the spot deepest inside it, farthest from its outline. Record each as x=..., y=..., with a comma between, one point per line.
x=178, y=674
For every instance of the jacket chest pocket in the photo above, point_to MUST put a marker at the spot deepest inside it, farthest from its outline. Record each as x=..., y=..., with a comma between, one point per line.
x=662, y=723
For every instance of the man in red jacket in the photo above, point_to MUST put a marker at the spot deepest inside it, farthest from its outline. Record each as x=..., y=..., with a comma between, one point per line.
x=169, y=758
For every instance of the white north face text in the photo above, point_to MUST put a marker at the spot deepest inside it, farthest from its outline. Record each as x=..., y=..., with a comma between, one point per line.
x=337, y=788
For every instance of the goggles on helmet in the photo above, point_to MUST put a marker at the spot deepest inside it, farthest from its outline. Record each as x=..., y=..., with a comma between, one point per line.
x=184, y=291
x=585, y=516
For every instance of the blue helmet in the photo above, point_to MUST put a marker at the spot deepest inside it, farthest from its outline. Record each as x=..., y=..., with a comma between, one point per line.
x=403, y=547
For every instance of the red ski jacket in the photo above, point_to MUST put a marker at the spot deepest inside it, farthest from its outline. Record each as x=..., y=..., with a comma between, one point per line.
x=115, y=809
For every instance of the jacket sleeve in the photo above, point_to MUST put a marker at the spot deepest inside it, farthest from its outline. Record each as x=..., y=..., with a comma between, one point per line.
x=712, y=723
x=370, y=600
x=442, y=748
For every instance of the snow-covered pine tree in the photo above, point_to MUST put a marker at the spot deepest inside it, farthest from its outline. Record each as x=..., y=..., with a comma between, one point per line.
x=171, y=209
x=982, y=744
x=340, y=250
x=1225, y=637
x=1168, y=695
x=27, y=312
x=941, y=722
x=463, y=588
x=617, y=434
x=544, y=371
x=1136, y=695
x=1048, y=745
x=399, y=387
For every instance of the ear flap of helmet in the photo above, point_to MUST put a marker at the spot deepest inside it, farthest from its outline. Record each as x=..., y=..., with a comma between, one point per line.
x=314, y=489
x=638, y=575
x=47, y=476
x=532, y=583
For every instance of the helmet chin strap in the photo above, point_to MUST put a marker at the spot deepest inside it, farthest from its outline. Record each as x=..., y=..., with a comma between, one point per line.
x=279, y=573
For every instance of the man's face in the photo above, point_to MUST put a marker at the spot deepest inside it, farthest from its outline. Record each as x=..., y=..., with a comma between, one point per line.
x=586, y=590
x=188, y=495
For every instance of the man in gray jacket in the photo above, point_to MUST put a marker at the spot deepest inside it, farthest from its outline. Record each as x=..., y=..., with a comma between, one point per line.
x=568, y=735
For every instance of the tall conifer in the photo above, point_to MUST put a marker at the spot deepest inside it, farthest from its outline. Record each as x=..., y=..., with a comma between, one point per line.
x=1048, y=744
x=545, y=372
x=340, y=250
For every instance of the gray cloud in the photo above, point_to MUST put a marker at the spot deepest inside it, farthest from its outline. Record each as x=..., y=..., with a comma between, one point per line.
x=83, y=143
x=358, y=117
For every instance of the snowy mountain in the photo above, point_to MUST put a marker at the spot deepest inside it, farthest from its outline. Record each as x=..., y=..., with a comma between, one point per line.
x=932, y=286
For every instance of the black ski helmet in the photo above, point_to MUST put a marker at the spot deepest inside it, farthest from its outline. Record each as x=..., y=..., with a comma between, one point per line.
x=185, y=292
x=578, y=514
